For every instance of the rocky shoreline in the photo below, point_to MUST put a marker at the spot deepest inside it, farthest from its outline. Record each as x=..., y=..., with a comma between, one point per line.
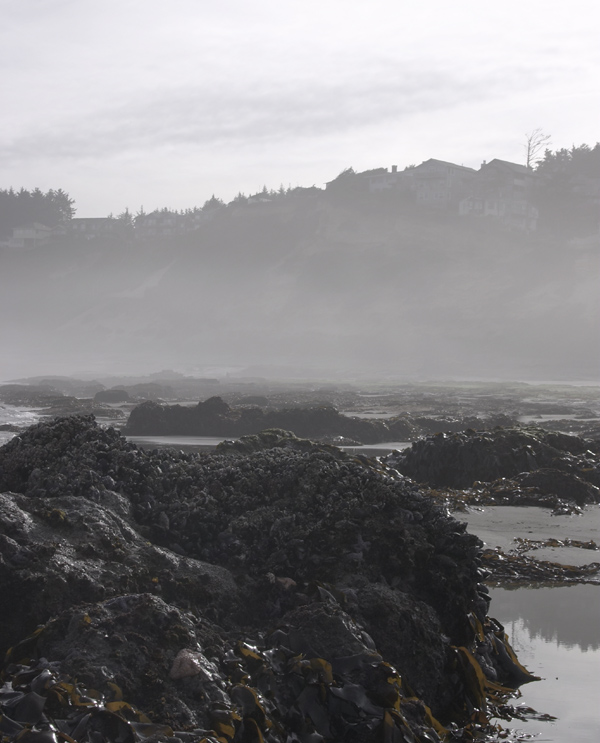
x=275, y=589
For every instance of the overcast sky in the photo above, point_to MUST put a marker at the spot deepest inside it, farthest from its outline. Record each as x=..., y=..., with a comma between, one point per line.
x=145, y=103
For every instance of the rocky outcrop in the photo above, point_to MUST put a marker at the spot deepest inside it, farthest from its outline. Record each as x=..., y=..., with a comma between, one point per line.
x=61, y=550
x=111, y=396
x=280, y=591
x=566, y=465
x=214, y=417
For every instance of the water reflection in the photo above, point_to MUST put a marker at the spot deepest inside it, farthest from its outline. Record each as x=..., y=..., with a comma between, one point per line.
x=567, y=615
x=556, y=634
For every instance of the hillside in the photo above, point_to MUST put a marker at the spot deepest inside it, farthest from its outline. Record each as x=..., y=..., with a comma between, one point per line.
x=333, y=286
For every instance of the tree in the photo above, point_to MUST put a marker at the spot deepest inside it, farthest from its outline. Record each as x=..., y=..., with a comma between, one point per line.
x=567, y=193
x=62, y=203
x=213, y=203
x=576, y=162
x=535, y=144
x=19, y=208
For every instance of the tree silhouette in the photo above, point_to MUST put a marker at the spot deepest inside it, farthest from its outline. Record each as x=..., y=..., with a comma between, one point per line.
x=23, y=207
x=535, y=144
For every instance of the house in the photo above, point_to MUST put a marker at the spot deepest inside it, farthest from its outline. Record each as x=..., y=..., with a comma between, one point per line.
x=515, y=213
x=441, y=185
x=159, y=223
x=505, y=180
x=30, y=236
x=94, y=227
x=503, y=190
x=374, y=180
x=383, y=180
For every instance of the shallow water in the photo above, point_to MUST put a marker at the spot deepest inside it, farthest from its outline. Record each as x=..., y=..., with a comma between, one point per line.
x=377, y=450
x=500, y=526
x=197, y=443
x=16, y=416
x=555, y=632
x=541, y=418
x=373, y=415
x=201, y=443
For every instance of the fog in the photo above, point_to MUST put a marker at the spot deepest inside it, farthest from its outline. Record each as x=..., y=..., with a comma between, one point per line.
x=139, y=106
x=314, y=285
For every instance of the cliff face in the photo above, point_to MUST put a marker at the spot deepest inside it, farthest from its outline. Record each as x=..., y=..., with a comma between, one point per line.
x=326, y=286
x=284, y=590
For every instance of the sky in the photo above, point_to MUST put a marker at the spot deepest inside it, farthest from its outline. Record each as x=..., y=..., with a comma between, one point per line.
x=140, y=103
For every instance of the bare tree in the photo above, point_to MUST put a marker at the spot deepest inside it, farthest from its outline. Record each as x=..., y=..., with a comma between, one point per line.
x=535, y=144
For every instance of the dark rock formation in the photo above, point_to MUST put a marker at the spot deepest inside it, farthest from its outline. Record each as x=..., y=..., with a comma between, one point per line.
x=214, y=417
x=111, y=396
x=568, y=485
x=274, y=590
x=558, y=462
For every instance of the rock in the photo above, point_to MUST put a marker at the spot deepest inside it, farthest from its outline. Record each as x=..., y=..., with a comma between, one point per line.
x=134, y=641
x=214, y=417
x=400, y=625
x=63, y=550
x=111, y=396
x=458, y=460
x=276, y=589
x=565, y=485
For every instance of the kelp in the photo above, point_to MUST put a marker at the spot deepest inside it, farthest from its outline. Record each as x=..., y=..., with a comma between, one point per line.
x=525, y=545
x=516, y=568
x=273, y=695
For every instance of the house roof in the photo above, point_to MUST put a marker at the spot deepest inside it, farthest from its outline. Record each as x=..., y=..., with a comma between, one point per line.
x=445, y=162
x=374, y=171
x=515, y=167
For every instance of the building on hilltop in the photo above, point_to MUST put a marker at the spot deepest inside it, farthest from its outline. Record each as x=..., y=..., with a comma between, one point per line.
x=380, y=179
x=93, y=227
x=374, y=180
x=167, y=223
x=439, y=184
x=159, y=223
x=503, y=190
x=507, y=180
x=30, y=236
x=434, y=183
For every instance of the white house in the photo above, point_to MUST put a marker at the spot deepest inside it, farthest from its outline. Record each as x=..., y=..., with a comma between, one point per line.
x=30, y=236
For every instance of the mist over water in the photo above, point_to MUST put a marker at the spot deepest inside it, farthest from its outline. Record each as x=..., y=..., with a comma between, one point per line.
x=313, y=289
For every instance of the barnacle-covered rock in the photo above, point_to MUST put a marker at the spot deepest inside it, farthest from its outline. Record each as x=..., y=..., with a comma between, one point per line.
x=57, y=552
x=273, y=590
x=460, y=459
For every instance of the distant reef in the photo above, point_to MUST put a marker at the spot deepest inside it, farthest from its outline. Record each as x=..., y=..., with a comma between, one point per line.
x=275, y=590
x=214, y=417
